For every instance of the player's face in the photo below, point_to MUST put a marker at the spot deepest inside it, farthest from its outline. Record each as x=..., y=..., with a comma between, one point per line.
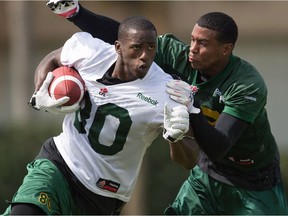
x=206, y=53
x=137, y=52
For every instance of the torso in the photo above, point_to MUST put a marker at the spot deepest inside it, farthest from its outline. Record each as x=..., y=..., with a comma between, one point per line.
x=239, y=91
x=104, y=142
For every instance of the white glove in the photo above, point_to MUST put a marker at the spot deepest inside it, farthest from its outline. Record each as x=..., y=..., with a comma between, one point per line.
x=183, y=93
x=64, y=8
x=41, y=100
x=176, y=122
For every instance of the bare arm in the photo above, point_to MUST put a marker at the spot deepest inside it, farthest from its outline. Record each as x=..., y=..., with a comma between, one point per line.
x=47, y=64
x=41, y=99
x=185, y=152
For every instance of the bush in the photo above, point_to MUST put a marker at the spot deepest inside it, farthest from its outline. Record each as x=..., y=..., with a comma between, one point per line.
x=19, y=145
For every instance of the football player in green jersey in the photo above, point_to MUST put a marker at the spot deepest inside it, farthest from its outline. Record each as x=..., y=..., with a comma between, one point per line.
x=238, y=168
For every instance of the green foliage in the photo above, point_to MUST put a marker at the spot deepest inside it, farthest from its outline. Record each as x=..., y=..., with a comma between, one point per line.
x=18, y=146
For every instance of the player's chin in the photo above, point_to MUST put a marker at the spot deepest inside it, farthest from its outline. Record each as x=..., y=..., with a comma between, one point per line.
x=141, y=76
x=141, y=72
x=193, y=65
x=196, y=66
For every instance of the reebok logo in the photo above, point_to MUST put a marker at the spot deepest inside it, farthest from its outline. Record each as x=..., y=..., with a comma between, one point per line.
x=147, y=99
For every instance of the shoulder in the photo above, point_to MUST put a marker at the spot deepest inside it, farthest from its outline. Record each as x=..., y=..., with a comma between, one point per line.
x=82, y=35
x=248, y=75
x=246, y=92
x=83, y=45
x=87, y=40
x=82, y=51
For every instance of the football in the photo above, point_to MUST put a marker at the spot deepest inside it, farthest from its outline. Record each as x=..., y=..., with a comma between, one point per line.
x=67, y=82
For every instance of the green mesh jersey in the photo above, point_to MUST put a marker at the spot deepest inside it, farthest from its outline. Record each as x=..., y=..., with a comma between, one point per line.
x=238, y=90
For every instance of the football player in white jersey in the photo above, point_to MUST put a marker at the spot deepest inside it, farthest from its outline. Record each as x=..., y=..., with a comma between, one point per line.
x=93, y=165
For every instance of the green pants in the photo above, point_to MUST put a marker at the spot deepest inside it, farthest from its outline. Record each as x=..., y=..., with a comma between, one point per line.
x=201, y=194
x=46, y=187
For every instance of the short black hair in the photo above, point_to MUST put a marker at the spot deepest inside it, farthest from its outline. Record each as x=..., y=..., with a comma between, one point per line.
x=136, y=23
x=223, y=24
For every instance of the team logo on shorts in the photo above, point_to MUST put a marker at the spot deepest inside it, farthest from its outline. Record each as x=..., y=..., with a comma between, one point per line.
x=108, y=185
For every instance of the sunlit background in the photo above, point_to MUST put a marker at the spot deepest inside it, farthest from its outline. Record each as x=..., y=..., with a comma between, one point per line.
x=29, y=30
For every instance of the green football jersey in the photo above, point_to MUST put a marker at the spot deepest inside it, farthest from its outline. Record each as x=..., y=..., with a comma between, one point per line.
x=239, y=90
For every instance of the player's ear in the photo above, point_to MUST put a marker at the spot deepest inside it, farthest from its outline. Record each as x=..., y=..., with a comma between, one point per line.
x=227, y=49
x=118, y=47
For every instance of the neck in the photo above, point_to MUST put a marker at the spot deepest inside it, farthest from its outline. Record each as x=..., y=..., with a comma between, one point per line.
x=122, y=73
x=215, y=69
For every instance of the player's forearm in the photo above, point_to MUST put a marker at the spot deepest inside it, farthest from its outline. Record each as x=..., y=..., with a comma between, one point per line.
x=214, y=144
x=217, y=141
x=47, y=64
x=185, y=152
x=98, y=26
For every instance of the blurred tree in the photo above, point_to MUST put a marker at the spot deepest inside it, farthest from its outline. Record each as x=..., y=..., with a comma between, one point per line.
x=19, y=145
x=20, y=36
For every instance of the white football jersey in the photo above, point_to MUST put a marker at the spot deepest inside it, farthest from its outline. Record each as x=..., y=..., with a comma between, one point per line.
x=104, y=142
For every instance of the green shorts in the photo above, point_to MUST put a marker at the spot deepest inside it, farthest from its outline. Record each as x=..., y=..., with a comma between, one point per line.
x=46, y=187
x=201, y=194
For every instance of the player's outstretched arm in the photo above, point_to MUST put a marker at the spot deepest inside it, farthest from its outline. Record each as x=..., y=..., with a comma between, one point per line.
x=98, y=26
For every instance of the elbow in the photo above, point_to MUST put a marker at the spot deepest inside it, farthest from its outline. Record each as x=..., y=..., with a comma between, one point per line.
x=186, y=163
x=190, y=165
x=212, y=157
x=185, y=153
x=215, y=156
x=187, y=166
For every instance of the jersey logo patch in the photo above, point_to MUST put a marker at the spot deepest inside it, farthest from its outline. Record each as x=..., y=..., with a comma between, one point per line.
x=108, y=185
x=147, y=99
x=103, y=91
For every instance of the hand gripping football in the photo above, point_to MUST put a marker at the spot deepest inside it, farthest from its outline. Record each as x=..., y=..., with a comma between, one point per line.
x=67, y=82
